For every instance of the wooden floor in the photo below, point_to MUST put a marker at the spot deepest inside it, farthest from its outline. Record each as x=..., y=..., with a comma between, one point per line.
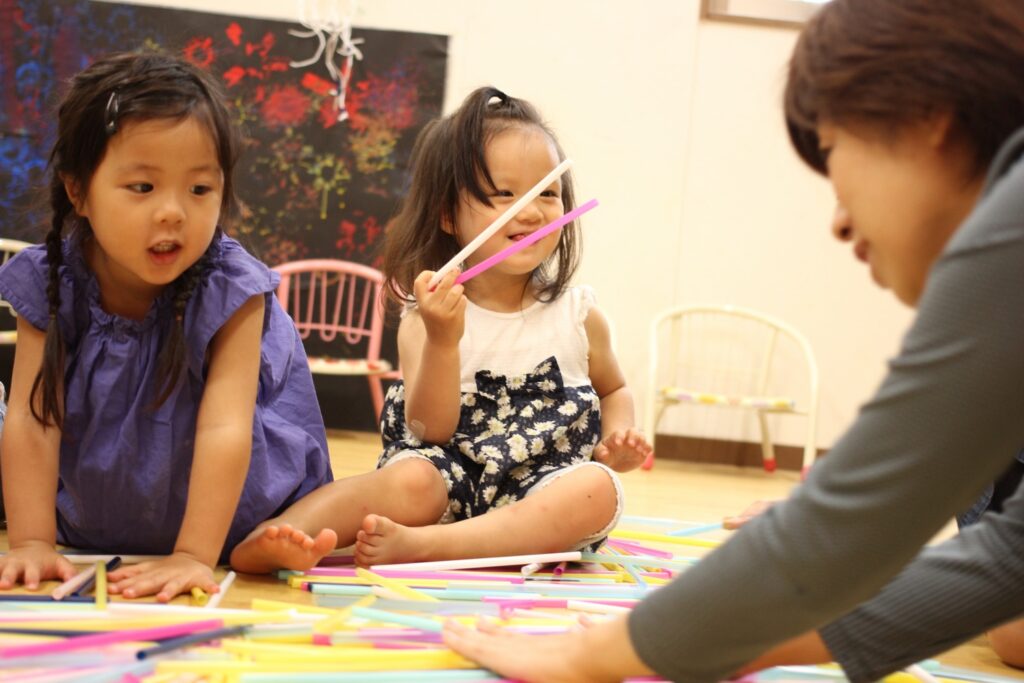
x=683, y=491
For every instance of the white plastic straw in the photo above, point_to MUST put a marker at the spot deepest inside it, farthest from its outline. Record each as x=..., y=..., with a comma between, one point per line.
x=478, y=562
x=500, y=222
x=219, y=595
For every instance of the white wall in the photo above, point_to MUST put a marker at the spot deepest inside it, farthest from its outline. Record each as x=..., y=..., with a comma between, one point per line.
x=675, y=125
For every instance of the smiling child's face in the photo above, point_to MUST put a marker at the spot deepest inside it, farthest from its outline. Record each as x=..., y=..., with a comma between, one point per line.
x=517, y=159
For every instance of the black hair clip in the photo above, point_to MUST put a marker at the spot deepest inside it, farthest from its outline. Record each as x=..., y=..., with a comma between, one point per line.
x=111, y=114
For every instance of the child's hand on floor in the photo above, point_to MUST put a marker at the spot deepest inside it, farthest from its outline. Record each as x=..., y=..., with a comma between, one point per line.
x=165, y=578
x=623, y=450
x=33, y=561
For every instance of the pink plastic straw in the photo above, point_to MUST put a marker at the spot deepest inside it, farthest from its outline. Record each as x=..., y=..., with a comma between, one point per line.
x=526, y=241
x=99, y=639
x=407, y=574
x=640, y=549
x=549, y=602
x=73, y=584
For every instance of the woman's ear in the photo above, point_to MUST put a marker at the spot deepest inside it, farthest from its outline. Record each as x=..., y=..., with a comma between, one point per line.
x=939, y=128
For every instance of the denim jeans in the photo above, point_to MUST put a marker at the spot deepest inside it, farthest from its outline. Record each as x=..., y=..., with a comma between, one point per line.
x=994, y=495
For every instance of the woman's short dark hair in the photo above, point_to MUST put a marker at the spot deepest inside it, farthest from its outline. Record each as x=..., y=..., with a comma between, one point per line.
x=887, y=63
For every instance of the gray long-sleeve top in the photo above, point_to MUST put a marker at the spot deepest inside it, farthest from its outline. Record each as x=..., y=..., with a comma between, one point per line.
x=946, y=421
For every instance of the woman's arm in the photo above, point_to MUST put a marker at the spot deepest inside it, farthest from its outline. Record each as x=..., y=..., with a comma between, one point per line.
x=30, y=461
x=944, y=423
x=428, y=345
x=599, y=653
x=223, y=446
x=951, y=592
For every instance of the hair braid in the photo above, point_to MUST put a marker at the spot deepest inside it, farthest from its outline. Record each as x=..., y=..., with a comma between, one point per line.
x=172, y=355
x=45, y=399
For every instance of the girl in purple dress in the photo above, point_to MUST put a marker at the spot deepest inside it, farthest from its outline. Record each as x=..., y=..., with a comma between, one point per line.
x=161, y=402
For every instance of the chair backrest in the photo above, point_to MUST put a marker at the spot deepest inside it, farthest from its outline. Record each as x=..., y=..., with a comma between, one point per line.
x=333, y=297
x=9, y=248
x=731, y=351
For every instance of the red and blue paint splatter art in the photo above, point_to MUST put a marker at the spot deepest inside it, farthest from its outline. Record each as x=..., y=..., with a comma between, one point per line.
x=310, y=185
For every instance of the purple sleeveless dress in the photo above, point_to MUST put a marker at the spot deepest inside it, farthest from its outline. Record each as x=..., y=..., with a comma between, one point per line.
x=124, y=466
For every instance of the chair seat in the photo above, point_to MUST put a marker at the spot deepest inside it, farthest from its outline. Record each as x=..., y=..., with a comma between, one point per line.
x=774, y=403
x=9, y=337
x=324, y=365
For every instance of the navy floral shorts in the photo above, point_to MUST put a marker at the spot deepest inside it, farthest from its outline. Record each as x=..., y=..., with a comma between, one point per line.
x=514, y=434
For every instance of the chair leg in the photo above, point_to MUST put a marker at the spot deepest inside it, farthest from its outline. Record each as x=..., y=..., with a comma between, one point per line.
x=652, y=415
x=809, y=453
x=377, y=396
x=767, y=450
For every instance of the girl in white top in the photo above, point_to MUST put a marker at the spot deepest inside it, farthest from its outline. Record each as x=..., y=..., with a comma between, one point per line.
x=513, y=403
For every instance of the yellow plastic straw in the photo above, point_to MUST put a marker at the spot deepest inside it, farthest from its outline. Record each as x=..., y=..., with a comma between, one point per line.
x=664, y=538
x=107, y=624
x=101, y=586
x=395, y=586
x=263, y=605
x=343, y=660
x=296, y=581
x=199, y=596
x=331, y=624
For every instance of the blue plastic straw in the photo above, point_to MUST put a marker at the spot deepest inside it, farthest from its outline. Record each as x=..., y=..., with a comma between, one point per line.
x=395, y=618
x=942, y=671
x=69, y=661
x=635, y=574
x=442, y=593
x=172, y=644
x=660, y=521
x=111, y=564
x=117, y=673
x=70, y=633
x=423, y=606
x=694, y=530
x=678, y=564
x=339, y=589
x=21, y=597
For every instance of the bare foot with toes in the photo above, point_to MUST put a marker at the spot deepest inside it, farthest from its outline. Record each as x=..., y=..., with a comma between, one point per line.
x=281, y=547
x=382, y=541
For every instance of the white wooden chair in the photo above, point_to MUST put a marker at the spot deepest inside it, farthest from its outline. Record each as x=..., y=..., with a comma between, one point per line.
x=731, y=357
x=9, y=248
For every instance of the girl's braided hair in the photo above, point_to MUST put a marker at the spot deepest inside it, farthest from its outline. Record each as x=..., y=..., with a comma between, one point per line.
x=120, y=88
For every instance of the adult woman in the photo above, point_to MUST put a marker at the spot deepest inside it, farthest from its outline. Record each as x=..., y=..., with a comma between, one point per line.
x=912, y=109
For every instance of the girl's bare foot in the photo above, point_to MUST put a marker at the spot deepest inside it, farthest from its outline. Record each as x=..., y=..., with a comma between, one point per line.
x=382, y=541
x=275, y=547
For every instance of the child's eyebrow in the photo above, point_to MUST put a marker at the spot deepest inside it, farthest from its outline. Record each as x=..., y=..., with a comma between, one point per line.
x=144, y=166
x=505, y=179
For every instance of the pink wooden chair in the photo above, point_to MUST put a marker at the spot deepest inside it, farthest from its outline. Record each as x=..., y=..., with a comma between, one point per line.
x=340, y=301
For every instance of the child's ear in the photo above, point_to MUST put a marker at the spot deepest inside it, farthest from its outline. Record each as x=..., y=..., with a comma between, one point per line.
x=448, y=226
x=74, y=193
